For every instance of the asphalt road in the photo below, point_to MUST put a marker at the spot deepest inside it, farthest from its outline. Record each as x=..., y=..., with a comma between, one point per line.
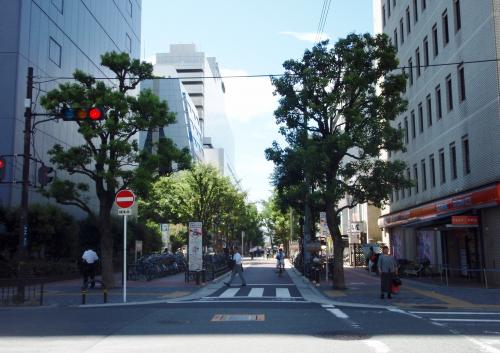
x=270, y=314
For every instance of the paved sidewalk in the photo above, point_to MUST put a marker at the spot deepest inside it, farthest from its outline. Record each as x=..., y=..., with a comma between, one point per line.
x=364, y=287
x=69, y=292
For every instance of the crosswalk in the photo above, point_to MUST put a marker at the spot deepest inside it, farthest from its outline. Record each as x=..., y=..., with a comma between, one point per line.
x=259, y=292
x=447, y=317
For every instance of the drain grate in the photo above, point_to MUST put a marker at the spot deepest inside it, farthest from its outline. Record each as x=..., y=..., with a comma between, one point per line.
x=239, y=317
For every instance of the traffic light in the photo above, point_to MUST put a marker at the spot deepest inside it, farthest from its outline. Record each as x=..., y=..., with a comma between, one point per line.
x=82, y=114
x=3, y=166
x=45, y=175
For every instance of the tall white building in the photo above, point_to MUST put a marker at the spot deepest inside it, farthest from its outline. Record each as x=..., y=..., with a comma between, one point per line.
x=200, y=76
x=55, y=37
x=451, y=217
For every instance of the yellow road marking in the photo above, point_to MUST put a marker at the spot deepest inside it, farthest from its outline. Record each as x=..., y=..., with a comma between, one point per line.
x=335, y=293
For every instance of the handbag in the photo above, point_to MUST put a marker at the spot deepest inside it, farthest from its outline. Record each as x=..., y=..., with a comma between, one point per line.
x=396, y=281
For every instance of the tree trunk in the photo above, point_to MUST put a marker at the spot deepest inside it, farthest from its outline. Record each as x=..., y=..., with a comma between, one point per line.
x=108, y=274
x=338, y=247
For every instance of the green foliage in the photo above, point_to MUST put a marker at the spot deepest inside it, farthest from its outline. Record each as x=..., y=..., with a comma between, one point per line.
x=278, y=222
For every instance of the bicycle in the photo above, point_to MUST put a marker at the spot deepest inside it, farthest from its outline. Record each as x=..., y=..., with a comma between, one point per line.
x=281, y=267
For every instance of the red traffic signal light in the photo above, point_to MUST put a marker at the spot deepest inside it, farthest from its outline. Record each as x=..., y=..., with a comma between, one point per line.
x=82, y=114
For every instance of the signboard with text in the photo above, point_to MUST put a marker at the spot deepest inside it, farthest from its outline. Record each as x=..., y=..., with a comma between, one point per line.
x=195, y=246
x=465, y=220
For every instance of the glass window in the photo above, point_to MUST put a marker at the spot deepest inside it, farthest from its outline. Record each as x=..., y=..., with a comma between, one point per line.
x=408, y=177
x=458, y=17
x=413, y=126
x=410, y=67
x=439, y=109
x=435, y=43
x=415, y=11
x=442, y=166
x=55, y=50
x=417, y=59
x=383, y=15
x=424, y=5
x=424, y=174
x=128, y=43
x=396, y=39
x=461, y=83
x=449, y=93
x=429, y=110
x=446, y=32
x=407, y=139
x=432, y=170
x=420, y=118
x=465, y=154
x=426, y=52
x=401, y=31
x=408, y=22
x=415, y=177
x=453, y=160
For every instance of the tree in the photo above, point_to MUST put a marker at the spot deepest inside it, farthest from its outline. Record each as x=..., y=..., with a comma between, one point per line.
x=278, y=222
x=336, y=109
x=109, y=157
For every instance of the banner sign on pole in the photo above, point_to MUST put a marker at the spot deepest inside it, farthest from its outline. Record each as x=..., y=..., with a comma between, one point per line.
x=323, y=225
x=165, y=235
x=195, y=246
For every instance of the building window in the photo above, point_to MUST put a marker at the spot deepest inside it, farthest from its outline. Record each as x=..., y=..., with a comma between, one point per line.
x=435, y=44
x=389, y=9
x=59, y=5
x=128, y=43
x=429, y=110
x=407, y=139
x=465, y=154
x=55, y=50
x=424, y=175
x=442, y=166
x=424, y=5
x=393, y=3
x=458, y=17
x=401, y=31
x=417, y=59
x=408, y=21
x=396, y=39
x=461, y=83
x=383, y=15
x=129, y=8
x=446, y=32
x=426, y=52
x=415, y=177
x=453, y=160
x=408, y=177
x=433, y=170
x=420, y=118
x=410, y=66
x=439, y=109
x=413, y=126
x=415, y=11
x=449, y=93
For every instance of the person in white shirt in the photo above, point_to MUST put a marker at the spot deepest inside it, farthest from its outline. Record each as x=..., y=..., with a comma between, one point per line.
x=237, y=269
x=90, y=260
x=280, y=260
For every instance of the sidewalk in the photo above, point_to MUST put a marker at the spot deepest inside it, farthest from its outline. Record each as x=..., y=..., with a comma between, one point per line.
x=69, y=292
x=364, y=287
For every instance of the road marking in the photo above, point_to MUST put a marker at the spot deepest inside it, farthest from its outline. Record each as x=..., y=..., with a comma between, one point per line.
x=378, y=346
x=283, y=293
x=239, y=317
x=453, y=313
x=467, y=320
x=443, y=298
x=400, y=311
x=230, y=292
x=483, y=346
x=338, y=313
x=256, y=292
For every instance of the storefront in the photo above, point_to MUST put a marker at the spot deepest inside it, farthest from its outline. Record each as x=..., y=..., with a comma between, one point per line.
x=448, y=234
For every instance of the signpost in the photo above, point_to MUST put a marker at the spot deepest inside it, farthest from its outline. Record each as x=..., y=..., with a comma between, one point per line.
x=195, y=246
x=124, y=199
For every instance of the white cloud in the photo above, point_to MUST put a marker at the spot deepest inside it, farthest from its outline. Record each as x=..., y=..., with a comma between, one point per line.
x=247, y=98
x=312, y=37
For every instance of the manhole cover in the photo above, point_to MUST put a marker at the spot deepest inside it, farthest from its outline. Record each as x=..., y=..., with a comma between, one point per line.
x=174, y=322
x=343, y=336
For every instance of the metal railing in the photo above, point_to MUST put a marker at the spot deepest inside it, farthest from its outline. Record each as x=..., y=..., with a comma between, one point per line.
x=22, y=291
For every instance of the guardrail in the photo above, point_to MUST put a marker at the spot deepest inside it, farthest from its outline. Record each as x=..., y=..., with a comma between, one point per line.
x=19, y=291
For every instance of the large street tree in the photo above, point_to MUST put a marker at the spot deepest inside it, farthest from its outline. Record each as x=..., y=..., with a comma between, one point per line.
x=109, y=159
x=335, y=111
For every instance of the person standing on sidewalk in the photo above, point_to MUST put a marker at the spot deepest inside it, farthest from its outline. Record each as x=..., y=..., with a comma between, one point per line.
x=388, y=268
x=237, y=269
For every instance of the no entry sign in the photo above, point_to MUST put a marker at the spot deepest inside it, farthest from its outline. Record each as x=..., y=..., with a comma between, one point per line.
x=124, y=199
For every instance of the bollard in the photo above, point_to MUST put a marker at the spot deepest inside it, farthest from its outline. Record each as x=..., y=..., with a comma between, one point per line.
x=84, y=296
x=105, y=294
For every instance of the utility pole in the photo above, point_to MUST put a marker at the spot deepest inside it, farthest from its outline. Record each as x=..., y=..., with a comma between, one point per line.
x=24, y=229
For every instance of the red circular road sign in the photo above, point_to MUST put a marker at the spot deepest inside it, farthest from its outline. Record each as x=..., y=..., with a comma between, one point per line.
x=124, y=199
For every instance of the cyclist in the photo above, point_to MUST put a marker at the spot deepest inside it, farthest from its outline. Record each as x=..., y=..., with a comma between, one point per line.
x=280, y=260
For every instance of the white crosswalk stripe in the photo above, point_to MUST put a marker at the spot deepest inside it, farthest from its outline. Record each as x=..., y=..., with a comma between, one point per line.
x=459, y=316
x=229, y=293
x=257, y=292
x=283, y=293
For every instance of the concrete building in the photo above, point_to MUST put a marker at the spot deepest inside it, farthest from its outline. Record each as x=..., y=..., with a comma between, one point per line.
x=200, y=76
x=451, y=217
x=55, y=37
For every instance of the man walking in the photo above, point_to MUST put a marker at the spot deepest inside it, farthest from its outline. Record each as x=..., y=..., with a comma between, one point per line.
x=388, y=268
x=237, y=268
x=90, y=259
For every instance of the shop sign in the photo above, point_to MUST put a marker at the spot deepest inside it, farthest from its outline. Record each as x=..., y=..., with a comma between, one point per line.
x=465, y=220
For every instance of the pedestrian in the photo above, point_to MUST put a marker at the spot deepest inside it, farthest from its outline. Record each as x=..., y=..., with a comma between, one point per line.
x=90, y=260
x=237, y=268
x=388, y=269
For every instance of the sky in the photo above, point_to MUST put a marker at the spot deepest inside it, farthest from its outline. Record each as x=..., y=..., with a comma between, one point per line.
x=250, y=38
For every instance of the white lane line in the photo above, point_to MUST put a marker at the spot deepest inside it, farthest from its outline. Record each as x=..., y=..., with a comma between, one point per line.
x=400, y=311
x=466, y=320
x=452, y=313
x=378, y=346
x=256, y=292
x=229, y=293
x=483, y=346
x=338, y=313
x=282, y=293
